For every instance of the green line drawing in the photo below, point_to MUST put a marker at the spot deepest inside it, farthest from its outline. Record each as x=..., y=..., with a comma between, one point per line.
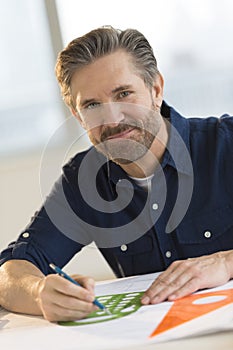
x=120, y=305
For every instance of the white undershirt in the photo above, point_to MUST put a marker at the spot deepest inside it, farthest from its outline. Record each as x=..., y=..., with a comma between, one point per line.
x=144, y=182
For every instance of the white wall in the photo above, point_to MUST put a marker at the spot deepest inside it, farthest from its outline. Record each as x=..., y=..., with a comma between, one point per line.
x=20, y=198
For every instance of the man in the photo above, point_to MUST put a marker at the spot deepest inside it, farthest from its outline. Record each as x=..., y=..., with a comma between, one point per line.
x=154, y=193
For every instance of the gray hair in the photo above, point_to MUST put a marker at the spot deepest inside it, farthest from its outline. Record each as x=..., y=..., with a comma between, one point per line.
x=98, y=43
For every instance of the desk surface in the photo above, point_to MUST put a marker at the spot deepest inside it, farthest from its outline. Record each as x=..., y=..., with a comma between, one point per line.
x=31, y=332
x=14, y=330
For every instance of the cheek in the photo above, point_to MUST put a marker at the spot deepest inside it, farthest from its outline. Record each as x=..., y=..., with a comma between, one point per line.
x=94, y=135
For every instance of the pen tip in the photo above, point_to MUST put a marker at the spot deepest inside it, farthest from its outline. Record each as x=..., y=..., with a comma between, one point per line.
x=108, y=312
x=52, y=266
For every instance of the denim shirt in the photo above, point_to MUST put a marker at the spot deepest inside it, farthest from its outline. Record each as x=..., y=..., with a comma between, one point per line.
x=187, y=213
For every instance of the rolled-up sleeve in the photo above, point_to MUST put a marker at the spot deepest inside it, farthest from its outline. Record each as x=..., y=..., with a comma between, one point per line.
x=43, y=242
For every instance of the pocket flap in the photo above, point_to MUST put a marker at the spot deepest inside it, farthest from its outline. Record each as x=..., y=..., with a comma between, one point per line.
x=205, y=227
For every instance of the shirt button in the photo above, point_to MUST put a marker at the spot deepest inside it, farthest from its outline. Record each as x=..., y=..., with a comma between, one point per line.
x=168, y=254
x=207, y=234
x=25, y=235
x=155, y=206
x=124, y=247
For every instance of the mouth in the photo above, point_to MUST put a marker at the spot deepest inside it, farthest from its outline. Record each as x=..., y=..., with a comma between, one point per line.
x=121, y=135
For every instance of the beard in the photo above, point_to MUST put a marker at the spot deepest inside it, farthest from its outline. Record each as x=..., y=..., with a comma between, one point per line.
x=125, y=150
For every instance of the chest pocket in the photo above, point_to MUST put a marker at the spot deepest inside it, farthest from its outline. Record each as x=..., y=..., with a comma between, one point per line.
x=207, y=233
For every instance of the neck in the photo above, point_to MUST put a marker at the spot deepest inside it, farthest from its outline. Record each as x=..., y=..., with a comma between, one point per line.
x=146, y=165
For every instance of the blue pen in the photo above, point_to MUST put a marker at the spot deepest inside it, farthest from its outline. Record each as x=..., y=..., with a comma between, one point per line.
x=63, y=274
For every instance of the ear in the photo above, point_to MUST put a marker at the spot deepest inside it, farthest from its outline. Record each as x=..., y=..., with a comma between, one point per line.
x=78, y=117
x=157, y=90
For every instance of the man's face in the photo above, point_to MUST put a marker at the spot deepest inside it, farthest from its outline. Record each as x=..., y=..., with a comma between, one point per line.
x=116, y=108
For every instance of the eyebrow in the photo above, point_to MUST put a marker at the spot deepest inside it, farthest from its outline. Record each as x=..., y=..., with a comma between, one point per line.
x=114, y=91
x=86, y=102
x=121, y=88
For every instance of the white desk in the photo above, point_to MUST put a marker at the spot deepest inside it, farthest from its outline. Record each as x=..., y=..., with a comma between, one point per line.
x=34, y=333
x=11, y=325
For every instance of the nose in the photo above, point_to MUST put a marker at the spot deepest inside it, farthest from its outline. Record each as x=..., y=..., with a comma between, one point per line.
x=112, y=114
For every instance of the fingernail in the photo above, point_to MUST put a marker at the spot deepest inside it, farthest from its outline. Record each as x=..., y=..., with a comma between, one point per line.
x=145, y=300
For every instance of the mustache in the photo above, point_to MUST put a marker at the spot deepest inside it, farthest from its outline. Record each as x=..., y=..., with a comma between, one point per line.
x=112, y=131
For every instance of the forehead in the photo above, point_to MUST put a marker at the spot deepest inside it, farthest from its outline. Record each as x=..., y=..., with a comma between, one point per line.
x=104, y=75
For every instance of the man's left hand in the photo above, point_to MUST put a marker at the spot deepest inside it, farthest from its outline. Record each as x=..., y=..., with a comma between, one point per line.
x=184, y=277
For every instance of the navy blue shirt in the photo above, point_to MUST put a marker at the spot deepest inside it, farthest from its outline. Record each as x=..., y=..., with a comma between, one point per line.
x=187, y=213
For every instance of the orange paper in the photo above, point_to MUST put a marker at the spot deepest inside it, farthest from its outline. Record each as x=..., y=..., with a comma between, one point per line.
x=193, y=306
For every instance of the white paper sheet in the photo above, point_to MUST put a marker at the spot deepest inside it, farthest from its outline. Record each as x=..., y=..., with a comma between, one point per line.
x=17, y=331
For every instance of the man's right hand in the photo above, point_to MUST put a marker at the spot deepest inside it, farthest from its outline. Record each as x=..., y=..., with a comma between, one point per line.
x=61, y=300
x=25, y=289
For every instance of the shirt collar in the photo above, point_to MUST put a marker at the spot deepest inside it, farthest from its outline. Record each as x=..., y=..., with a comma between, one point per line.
x=177, y=153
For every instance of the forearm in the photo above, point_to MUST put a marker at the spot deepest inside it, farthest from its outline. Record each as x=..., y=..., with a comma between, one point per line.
x=19, y=283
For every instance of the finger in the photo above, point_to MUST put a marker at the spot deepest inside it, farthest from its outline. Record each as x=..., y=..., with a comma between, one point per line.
x=189, y=287
x=86, y=282
x=182, y=285
x=61, y=285
x=72, y=303
x=167, y=283
x=56, y=293
x=161, y=282
x=54, y=313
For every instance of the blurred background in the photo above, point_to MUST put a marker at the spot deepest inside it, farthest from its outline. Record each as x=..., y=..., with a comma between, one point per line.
x=192, y=42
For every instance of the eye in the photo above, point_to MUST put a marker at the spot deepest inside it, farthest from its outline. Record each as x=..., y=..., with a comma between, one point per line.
x=92, y=105
x=123, y=94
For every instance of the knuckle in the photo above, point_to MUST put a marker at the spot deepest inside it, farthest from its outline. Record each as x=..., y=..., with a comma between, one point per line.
x=49, y=279
x=160, y=280
x=69, y=289
x=163, y=281
x=174, y=284
x=186, y=264
x=89, y=281
x=176, y=263
x=158, y=296
x=90, y=308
